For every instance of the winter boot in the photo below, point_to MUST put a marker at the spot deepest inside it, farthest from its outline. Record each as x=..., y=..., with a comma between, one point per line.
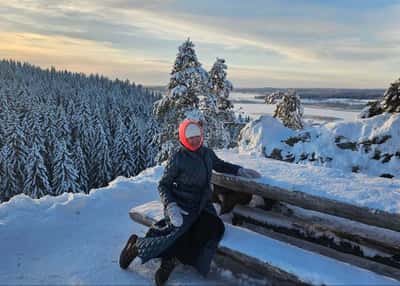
x=129, y=252
x=165, y=270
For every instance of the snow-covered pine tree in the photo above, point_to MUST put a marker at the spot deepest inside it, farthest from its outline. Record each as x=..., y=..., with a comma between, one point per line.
x=290, y=111
x=3, y=121
x=8, y=179
x=88, y=142
x=36, y=183
x=391, y=99
x=49, y=143
x=101, y=166
x=215, y=134
x=138, y=148
x=65, y=175
x=123, y=154
x=188, y=82
x=2, y=173
x=149, y=141
x=221, y=87
x=390, y=102
x=219, y=124
x=63, y=130
x=17, y=157
x=273, y=97
x=79, y=162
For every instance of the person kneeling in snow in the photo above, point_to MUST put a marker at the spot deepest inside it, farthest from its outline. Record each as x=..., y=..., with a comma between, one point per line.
x=191, y=229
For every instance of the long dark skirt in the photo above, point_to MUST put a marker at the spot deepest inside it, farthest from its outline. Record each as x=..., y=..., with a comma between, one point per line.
x=188, y=247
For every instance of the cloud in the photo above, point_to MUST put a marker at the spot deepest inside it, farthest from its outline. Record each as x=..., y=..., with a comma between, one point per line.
x=143, y=22
x=320, y=43
x=82, y=56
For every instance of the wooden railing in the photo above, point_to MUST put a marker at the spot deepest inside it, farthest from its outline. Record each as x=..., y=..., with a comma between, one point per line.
x=364, y=237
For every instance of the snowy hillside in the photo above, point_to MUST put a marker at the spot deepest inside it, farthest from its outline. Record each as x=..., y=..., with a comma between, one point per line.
x=369, y=146
x=77, y=238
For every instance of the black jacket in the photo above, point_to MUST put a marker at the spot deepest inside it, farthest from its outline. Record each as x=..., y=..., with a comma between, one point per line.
x=187, y=176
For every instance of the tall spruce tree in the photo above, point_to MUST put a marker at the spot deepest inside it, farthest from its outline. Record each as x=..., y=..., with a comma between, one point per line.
x=49, y=143
x=102, y=170
x=123, y=153
x=390, y=102
x=2, y=173
x=391, y=98
x=219, y=115
x=188, y=82
x=222, y=87
x=65, y=175
x=150, y=143
x=79, y=161
x=290, y=111
x=36, y=182
x=17, y=157
x=138, y=148
x=8, y=179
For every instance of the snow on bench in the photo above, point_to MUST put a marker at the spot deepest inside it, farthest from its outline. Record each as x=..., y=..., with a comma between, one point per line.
x=276, y=258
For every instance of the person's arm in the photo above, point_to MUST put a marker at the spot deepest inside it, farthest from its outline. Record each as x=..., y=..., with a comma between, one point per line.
x=171, y=171
x=223, y=167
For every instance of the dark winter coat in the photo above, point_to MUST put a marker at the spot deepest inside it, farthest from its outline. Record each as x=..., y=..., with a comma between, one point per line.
x=186, y=181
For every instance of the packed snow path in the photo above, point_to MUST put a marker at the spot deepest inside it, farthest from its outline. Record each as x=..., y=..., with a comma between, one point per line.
x=77, y=238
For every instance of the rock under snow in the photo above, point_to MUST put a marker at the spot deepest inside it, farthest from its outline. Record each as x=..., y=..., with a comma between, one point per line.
x=370, y=146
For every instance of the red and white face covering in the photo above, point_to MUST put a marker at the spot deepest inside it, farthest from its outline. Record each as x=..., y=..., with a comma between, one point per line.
x=190, y=128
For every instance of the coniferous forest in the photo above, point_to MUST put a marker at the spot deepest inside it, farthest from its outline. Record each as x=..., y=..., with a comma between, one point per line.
x=68, y=132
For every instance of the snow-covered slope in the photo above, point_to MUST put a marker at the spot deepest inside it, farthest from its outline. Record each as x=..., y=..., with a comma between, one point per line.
x=370, y=146
x=77, y=238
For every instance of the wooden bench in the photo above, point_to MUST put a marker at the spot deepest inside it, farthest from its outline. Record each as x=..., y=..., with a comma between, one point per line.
x=245, y=251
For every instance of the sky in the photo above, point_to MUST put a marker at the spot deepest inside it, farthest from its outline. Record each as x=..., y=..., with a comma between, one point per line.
x=297, y=43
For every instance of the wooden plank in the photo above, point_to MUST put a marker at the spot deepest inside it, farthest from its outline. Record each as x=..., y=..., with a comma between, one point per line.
x=326, y=251
x=250, y=222
x=383, y=240
x=362, y=214
x=241, y=262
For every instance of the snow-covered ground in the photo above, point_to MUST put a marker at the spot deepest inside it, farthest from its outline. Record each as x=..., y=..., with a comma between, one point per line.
x=75, y=239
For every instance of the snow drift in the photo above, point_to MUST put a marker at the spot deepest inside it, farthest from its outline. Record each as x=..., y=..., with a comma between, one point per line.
x=370, y=146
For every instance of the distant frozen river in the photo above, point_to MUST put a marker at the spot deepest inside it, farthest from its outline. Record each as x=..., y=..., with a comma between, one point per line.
x=316, y=111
